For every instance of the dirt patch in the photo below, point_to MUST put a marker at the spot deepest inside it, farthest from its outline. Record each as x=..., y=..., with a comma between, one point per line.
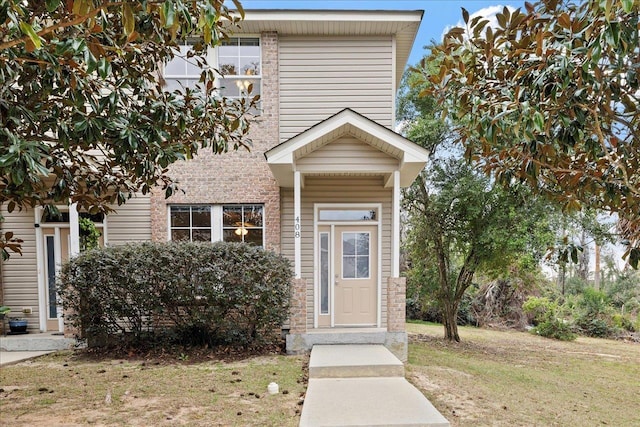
x=79, y=389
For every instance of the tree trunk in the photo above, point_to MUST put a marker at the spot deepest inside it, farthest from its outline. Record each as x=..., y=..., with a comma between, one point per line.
x=450, y=321
x=596, y=273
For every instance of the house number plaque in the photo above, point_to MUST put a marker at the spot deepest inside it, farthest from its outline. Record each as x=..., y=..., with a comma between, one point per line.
x=296, y=228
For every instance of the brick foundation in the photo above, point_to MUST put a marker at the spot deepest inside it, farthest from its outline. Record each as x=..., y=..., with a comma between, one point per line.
x=298, y=310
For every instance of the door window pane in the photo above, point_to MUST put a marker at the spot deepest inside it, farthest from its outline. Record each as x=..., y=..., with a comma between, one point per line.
x=51, y=276
x=324, y=273
x=348, y=215
x=355, y=256
x=348, y=267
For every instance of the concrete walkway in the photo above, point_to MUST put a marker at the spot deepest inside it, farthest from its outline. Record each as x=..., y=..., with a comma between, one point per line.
x=363, y=385
x=11, y=357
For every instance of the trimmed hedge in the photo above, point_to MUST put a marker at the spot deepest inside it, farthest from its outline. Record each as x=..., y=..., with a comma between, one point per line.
x=184, y=293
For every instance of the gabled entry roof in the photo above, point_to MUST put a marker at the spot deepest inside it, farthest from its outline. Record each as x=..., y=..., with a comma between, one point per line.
x=411, y=158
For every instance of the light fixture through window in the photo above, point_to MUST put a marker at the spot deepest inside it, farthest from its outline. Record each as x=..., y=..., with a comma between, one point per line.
x=241, y=231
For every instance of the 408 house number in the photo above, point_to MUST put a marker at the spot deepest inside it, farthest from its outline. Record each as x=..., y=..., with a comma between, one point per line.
x=296, y=228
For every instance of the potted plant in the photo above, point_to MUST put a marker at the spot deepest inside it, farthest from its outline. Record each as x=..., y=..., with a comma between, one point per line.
x=4, y=310
x=17, y=325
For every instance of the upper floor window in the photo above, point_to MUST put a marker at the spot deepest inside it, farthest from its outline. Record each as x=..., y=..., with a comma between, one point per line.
x=239, y=62
x=212, y=223
x=182, y=70
x=238, y=59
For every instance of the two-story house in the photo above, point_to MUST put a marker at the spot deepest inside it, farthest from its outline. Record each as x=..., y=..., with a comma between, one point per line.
x=321, y=184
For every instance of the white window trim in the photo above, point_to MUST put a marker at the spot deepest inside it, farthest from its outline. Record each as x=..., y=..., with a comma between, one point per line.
x=217, y=223
x=258, y=77
x=211, y=59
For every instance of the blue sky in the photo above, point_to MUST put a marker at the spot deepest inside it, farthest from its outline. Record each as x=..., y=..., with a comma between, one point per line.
x=438, y=14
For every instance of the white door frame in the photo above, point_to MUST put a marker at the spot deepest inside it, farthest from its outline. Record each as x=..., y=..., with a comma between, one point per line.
x=41, y=256
x=316, y=256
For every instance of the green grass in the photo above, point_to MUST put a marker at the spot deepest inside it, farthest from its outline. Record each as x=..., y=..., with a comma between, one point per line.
x=513, y=378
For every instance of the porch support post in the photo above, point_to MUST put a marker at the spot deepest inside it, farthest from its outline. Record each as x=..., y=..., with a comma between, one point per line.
x=74, y=249
x=74, y=230
x=40, y=255
x=395, y=262
x=297, y=226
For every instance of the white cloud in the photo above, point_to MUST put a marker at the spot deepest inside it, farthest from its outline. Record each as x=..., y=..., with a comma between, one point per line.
x=487, y=12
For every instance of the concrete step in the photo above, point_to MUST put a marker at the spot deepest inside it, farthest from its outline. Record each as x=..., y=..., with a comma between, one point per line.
x=353, y=361
x=36, y=342
x=367, y=402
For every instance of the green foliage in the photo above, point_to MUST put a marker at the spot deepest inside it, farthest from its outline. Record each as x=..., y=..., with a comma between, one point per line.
x=623, y=322
x=89, y=234
x=545, y=315
x=85, y=116
x=540, y=309
x=188, y=293
x=593, y=302
x=593, y=326
x=549, y=97
x=555, y=328
x=462, y=223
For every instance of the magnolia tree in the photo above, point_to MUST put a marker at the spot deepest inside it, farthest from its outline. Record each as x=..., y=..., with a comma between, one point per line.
x=551, y=97
x=84, y=113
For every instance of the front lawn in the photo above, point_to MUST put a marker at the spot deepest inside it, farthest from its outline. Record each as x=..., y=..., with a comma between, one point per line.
x=508, y=378
x=64, y=389
x=492, y=378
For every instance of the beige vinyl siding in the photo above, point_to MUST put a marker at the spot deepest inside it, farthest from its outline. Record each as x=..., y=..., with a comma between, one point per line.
x=131, y=222
x=335, y=190
x=20, y=272
x=347, y=154
x=321, y=76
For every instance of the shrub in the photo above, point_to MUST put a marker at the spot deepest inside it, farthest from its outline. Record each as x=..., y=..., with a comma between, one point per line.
x=556, y=329
x=187, y=293
x=624, y=322
x=540, y=309
x=593, y=327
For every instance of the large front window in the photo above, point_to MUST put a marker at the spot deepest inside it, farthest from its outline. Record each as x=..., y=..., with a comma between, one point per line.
x=242, y=223
x=211, y=223
x=191, y=223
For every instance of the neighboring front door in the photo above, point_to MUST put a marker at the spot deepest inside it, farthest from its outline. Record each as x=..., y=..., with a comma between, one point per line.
x=56, y=252
x=355, y=275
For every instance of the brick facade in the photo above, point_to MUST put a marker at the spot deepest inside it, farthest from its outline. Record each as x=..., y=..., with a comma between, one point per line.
x=298, y=309
x=238, y=176
x=396, y=304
